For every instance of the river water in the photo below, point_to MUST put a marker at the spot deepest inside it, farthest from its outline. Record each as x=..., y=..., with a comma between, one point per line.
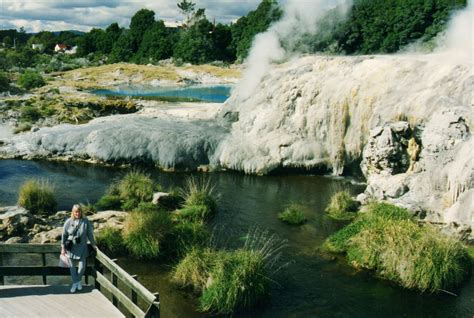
x=311, y=285
x=202, y=93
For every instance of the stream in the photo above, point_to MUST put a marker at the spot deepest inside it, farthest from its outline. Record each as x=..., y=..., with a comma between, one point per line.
x=311, y=284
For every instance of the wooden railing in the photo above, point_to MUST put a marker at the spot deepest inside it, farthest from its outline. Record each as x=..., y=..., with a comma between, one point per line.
x=95, y=268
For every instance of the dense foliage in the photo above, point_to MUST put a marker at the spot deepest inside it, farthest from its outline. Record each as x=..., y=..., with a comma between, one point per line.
x=37, y=197
x=371, y=26
x=386, y=240
x=30, y=79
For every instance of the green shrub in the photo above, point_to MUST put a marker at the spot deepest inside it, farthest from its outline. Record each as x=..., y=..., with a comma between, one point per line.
x=145, y=232
x=194, y=269
x=110, y=241
x=293, y=215
x=199, y=192
x=171, y=202
x=29, y=114
x=231, y=280
x=337, y=242
x=195, y=213
x=31, y=79
x=186, y=236
x=4, y=82
x=386, y=239
x=238, y=281
x=37, y=197
x=22, y=127
x=109, y=202
x=135, y=185
x=88, y=209
x=342, y=206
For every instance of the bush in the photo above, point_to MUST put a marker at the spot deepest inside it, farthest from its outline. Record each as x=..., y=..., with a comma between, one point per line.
x=186, y=236
x=199, y=192
x=238, y=281
x=109, y=202
x=30, y=79
x=135, y=185
x=231, y=280
x=110, y=241
x=37, y=197
x=145, y=232
x=4, y=82
x=293, y=215
x=342, y=206
x=195, y=213
x=388, y=241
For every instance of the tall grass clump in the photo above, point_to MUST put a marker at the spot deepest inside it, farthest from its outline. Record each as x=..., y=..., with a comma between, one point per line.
x=387, y=240
x=186, y=236
x=342, y=206
x=199, y=203
x=37, y=197
x=145, y=233
x=135, y=186
x=293, y=215
x=110, y=241
x=231, y=280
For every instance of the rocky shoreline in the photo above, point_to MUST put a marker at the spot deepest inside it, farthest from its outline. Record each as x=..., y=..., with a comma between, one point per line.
x=17, y=225
x=407, y=119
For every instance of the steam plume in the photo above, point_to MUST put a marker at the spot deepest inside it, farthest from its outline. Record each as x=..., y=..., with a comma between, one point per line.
x=300, y=18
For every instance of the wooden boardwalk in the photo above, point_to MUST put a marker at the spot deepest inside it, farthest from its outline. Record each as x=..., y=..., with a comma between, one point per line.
x=54, y=301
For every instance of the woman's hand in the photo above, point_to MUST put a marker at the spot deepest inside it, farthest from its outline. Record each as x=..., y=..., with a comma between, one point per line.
x=63, y=250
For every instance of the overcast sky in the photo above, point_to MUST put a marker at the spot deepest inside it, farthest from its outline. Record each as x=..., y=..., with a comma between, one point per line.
x=56, y=15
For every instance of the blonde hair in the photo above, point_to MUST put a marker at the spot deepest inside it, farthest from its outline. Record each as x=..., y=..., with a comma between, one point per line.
x=76, y=207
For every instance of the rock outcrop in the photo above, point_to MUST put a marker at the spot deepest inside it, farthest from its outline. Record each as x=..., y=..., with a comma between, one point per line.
x=409, y=118
x=19, y=226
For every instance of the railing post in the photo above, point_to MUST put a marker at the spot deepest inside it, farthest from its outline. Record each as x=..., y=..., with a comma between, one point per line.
x=134, y=293
x=43, y=259
x=99, y=269
x=2, y=279
x=114, y=282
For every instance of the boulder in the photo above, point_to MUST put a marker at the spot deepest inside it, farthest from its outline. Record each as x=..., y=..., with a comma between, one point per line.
x=159, y=195
x=109, y=218
x=14, y=221
x=386, y=151
x=51, y=236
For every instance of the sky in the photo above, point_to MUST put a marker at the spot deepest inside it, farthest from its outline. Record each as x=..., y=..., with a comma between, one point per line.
x=83, y=15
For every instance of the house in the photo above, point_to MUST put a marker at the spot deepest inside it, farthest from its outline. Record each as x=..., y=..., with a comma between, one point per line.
x=72, y=50
x=60, y=47
x=38, y=46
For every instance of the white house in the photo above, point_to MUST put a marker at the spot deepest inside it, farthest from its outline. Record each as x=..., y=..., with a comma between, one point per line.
x=38, y=46
x=60, y=47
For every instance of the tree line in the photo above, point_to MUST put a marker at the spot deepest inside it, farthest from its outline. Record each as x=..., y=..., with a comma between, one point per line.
x=371, y=26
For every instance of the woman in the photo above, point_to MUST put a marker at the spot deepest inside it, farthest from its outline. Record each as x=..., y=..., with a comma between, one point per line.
x=77, y=231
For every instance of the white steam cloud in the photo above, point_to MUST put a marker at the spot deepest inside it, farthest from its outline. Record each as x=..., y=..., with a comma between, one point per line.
x=299, y=18
x=458, y=41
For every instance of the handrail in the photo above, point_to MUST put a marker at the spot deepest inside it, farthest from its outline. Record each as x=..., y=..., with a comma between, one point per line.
x=100, y=261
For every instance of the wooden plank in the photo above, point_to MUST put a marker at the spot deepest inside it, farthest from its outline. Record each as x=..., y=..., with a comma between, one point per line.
x=38, y=271
x=54, y=301
x=125, y=277
x=30, y=248
x=122, y=298
x=43, y=260
x=153, y=311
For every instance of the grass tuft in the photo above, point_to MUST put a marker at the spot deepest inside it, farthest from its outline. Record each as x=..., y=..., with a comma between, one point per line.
x=110, y=241
x=144, y=233
x=37, y=197
x=136, y=186
x=386, y=239
x=342, y=206
x=293, y=215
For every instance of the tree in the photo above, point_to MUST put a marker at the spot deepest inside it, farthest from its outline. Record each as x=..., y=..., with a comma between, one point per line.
x=186, y=8
x=140, y=23
x=4, y=82
x=122, y=50
x=157, y=44
x=7, y=41
x=30, y=79
x=245, y=29
x=196, y=44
